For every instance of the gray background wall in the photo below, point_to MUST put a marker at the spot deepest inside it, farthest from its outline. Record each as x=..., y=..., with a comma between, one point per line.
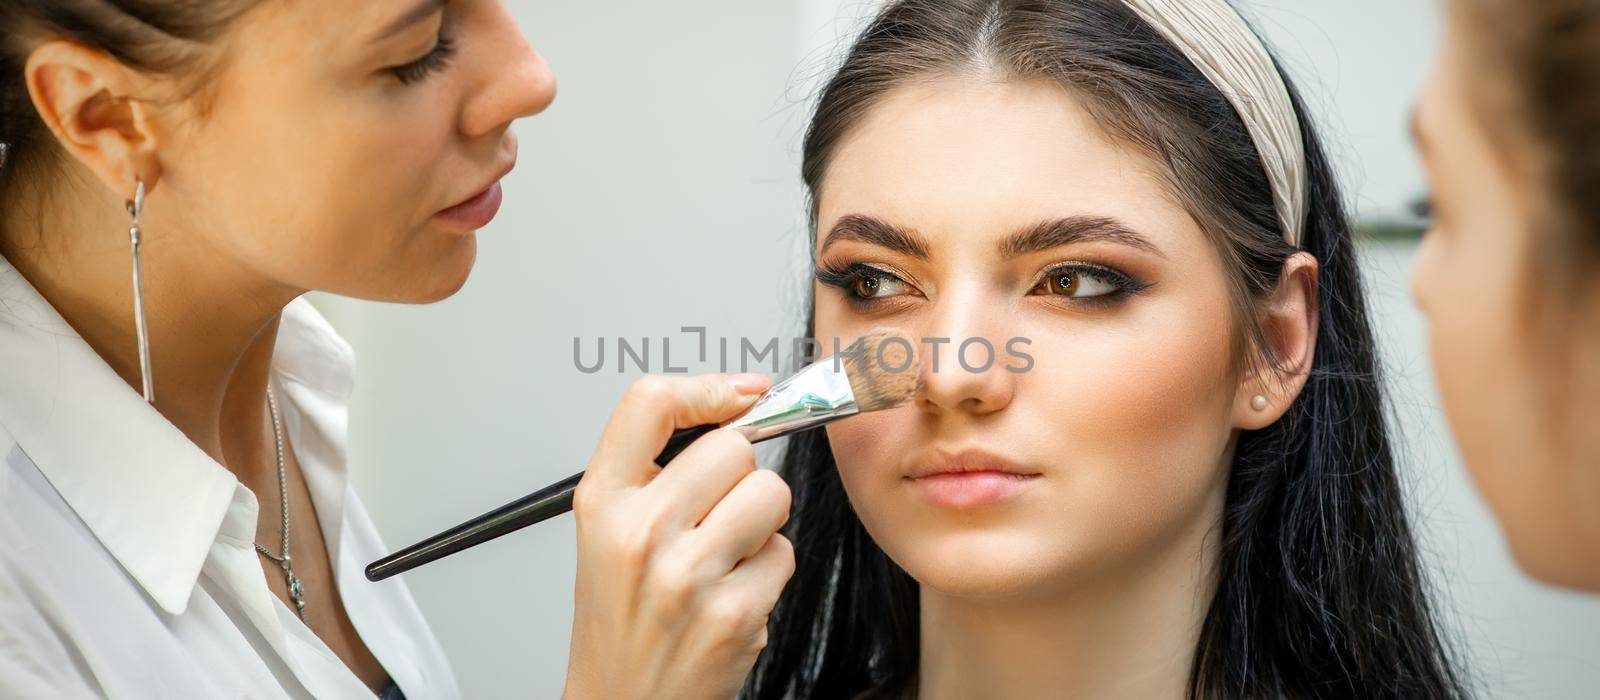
x=661, y=191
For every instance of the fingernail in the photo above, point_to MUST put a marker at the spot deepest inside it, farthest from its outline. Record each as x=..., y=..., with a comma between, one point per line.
x=748, y=383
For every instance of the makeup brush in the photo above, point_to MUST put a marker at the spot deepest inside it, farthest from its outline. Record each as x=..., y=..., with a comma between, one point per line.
x=877, y=372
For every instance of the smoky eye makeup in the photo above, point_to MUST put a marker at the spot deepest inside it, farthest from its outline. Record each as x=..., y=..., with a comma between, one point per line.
x=864, y=285
x=1080, y=284
x=1087, y=284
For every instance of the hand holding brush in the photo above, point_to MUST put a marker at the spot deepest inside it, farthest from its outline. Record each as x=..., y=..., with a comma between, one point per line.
x=679, y=557
x=878, y=371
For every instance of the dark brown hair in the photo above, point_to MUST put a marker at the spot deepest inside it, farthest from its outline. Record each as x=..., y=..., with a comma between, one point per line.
x=156, y=36
x=1319, y=592
x=1544, y=106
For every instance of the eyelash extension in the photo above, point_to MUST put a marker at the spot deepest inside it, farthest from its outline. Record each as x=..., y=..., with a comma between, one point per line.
x=1125, y=285
x=432, y=62
x=844, y=278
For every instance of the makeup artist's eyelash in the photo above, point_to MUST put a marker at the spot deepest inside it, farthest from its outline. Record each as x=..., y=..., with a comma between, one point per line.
x=432, y=62
x=1422, y=208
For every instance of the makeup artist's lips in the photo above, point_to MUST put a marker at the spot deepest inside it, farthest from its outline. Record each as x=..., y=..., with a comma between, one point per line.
x=970, y=479
x=478, y=210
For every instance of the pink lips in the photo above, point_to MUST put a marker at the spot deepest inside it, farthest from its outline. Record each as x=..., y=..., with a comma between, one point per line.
x=972, y=489
x=477, y=211
x=970, y=480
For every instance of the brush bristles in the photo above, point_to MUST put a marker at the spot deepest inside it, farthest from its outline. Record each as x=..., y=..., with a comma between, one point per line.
x=886, y=372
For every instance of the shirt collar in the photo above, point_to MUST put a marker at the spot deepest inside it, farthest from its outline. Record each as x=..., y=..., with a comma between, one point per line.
x=152, y=497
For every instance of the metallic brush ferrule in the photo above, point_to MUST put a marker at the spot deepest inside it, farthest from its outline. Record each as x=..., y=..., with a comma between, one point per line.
x=813, y=396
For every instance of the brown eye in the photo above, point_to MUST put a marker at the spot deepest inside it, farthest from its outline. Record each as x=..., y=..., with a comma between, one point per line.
x=1080, y=281
x=1063, y=283
x=862, y=283
x=875, y=284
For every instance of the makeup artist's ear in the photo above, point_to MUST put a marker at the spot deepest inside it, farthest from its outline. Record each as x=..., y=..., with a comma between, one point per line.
x=93, y=105
x=1289, y=325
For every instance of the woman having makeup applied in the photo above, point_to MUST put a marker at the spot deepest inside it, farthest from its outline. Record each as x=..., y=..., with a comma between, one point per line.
x=1190, y=490
x=1509, y=270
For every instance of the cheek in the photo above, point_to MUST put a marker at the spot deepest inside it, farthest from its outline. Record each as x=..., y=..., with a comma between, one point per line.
x=859, y=440
x=1141, y=419
x=1464, y=282
x=1489, y=378
x=1425, y=271
x=1129, y=420
x=334, y=199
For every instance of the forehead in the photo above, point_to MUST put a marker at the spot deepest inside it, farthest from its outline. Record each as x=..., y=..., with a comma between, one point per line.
x=1444, y=113
x=979, y=158
x=310, y=27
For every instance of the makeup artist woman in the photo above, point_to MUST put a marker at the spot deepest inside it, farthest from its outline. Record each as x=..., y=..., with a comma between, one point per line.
x=176, y=175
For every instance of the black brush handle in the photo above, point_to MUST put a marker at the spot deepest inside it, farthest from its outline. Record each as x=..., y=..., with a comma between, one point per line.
x=680, y=441
x=535, y=507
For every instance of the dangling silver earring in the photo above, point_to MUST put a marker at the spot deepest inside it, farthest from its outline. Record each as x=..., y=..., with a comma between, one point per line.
x=135, y=208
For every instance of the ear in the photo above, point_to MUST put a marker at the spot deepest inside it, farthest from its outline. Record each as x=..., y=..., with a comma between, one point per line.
x=1289, y=326
x=91, y=104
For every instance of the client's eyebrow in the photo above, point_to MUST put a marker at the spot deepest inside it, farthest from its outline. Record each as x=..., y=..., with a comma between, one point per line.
x=866, y=229
x=418, y=12
x=1074, y=229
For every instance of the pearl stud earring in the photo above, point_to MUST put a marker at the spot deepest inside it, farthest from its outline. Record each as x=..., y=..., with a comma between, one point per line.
x=1258, y=402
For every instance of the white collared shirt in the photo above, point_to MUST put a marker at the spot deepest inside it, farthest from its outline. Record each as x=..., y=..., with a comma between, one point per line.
x=127, y=567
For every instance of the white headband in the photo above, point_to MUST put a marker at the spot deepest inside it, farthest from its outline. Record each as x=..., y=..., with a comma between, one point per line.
x=1215, y=37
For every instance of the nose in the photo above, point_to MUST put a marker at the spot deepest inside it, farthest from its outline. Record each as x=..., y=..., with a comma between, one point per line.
x=517, y=82
x=965, y=367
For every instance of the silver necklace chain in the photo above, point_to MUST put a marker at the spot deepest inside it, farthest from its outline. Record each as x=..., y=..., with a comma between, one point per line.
x=295, y=590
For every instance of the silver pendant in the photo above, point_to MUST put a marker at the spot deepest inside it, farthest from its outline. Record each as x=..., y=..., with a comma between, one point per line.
x=295, y=590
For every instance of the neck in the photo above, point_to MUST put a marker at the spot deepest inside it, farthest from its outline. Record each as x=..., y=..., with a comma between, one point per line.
x=212, y=323
x=1129, y=633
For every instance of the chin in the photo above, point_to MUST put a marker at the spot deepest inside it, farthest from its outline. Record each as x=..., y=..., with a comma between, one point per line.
x=448, y=288
x=445, y=276
x=979, y=565
x=1560, y=559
